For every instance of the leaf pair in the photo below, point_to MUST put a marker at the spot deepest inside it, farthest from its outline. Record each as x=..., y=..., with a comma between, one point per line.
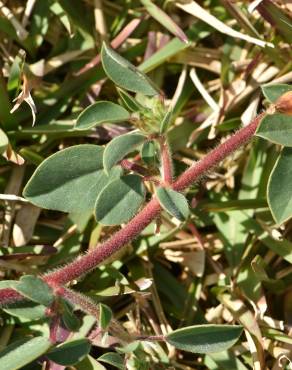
x=126, y=76
x=84, y=178
x=277, y=128
x=70, y=180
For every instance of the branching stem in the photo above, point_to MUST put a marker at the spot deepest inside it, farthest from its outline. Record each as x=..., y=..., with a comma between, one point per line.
x=89, y=261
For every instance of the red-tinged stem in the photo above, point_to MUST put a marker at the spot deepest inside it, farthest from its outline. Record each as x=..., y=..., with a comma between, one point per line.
x=83, y=265
x=130, y=166
x=216, y=155
x=166, y=161
x=80, y=300
x=88, y=306
x=8, y=296
x=86, y=263
x=89, y=261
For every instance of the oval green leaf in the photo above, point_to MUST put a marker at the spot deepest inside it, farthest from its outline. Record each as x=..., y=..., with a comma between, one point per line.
x=205, y=338
x=69, y=319
x=8, y=284
x=23, y=352
x=35, y=289
x=71, y=352
x=125, y=74
x=101, y=112
x=280, y=189
x=120, y=200
x=119, y=147
x=113, y=359
x=70, y=180
x=273, y=91
x=105, y=316
x=27, y=310
x=173, y=202
x=149, y=152
x=89, y=363
x=276, y=128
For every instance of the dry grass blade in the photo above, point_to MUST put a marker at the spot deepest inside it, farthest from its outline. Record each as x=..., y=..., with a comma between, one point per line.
x=207, y=97
x=20, y=30
x=160, y=16
x=197, y=11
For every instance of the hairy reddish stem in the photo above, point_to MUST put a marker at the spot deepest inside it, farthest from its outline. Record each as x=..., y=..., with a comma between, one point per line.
x=217, y=155
x=8, y=296
x=89, y=306
x=130, y=166
x=86, y=263
x=166, y=161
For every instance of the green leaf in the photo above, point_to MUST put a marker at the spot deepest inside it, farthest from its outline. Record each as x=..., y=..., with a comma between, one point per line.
x=105, y=316
x=119, y=147
x=166, y=122
x=172, y=48
x=277, y=335
x=35, y=289
x=70, y=180
x=129, y=102
x=173, y=202
x=164, y=19
x=89, y=363
x=26, y=310
x=101, y=112
x=273, y=91
x=71, y=352
x=276, y=128
x=3, y=141
x=120, y=200
x=22, y=352
x=149, y=153
x=8, y=284
x=69, y=319
x=204, y=338
x=279, y=187
x=16, y=69
x=125, y=74
x=113, y=359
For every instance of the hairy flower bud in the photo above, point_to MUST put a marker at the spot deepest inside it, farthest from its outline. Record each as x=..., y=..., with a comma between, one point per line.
x=284, y=103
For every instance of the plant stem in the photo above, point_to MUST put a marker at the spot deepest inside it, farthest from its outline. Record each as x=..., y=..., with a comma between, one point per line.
x=83, y=265
x=86, y=263
x=88, y=305
x=130, y=166
x=216, y=155
x=8, y=296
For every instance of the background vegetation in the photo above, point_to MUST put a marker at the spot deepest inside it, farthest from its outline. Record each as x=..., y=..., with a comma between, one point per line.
x=229, y=263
